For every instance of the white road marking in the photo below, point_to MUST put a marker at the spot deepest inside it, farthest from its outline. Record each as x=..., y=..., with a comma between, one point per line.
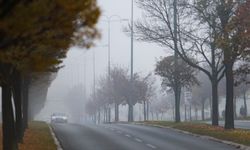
x=151, y=146
x=138, y=140
x=127, y=135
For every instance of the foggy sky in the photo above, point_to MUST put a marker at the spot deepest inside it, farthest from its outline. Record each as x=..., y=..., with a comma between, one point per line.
x=145, y=54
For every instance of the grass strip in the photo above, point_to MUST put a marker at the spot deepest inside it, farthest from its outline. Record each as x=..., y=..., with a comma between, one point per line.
x=240, y=136
x=38, y=137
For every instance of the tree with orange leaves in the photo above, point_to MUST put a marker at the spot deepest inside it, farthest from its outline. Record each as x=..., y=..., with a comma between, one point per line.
x=35, y=36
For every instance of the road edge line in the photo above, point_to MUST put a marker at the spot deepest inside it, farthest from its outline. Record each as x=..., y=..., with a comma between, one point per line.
x=236, y=145
x=56, y=141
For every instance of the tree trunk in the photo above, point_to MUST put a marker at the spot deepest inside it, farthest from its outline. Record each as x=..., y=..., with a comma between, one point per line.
x=196, y=113
x=109, y=114
x=245, y=103
x=147, y=118
x=235, y=106
x=190, y=113
x=157, y=116
x=144, y=111
x=229, y=112
x=116, y=112
x=25, y=104
x=104, y=115
x=203, y=110
x=185, y=112
x=99, y=116
x=177, y=103
x=17, y=94
x=130, y=113
x=8, y=125
x=211, y=110
x=173, y=113
x=215, y=105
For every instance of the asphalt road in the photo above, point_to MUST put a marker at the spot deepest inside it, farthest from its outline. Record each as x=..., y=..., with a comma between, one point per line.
x=241, y=124
x=129, y=137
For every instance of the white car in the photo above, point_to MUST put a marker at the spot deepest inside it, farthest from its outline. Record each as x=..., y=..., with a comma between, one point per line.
x=59, y=118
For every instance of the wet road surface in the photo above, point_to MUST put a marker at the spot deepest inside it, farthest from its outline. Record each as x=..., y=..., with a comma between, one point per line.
x=129, y=137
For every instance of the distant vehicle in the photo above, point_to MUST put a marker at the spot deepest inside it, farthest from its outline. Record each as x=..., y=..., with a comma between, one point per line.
x=59, y=118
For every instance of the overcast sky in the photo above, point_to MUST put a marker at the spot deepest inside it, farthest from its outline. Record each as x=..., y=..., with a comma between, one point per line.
x=145, y=54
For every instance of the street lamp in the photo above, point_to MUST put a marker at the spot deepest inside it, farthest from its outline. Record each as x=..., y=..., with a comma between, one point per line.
x=109, y=20
x=130, y=114
x=132, y=39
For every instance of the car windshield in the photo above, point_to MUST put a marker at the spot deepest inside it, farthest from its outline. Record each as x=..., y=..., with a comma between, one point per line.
x=58, y=114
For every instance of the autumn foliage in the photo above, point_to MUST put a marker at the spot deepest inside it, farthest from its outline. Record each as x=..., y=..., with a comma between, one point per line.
x=35, y=36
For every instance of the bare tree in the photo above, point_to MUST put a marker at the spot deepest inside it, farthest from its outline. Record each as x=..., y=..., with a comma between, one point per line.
x=201, y=93
x=193, y=39
x=116, y=89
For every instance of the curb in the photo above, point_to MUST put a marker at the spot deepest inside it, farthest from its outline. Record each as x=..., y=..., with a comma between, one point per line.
x=59, y=147
x=236, y=145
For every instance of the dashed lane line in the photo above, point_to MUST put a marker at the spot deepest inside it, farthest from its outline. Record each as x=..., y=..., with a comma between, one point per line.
x=127, y=135
x=138, y=140
x=151, y=146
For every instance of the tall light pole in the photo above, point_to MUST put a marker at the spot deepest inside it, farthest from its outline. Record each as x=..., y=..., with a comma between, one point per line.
x=109, y=20
x=132, y=39
x=84, y=78
x=94, y=80
x=177, y=85
x=130, y=111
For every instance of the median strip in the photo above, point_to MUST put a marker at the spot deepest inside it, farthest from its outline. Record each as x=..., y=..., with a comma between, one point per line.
x=239, y=138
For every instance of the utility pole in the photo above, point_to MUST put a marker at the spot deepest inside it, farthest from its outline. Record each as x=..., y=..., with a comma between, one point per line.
x=109, y=20
x=84, y=78
x=130, y=109
x=177, y=86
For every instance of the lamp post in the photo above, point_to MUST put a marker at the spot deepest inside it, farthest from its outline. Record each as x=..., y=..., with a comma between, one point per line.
x=132, y=39
x=94, y=79
x=109, y=20
x=130, y=111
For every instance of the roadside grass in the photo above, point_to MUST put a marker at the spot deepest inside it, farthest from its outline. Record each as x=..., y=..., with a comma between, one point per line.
x=37, y=137
x=240, y=136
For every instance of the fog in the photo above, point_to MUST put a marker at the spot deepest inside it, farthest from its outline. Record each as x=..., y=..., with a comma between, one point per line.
x=72, y=74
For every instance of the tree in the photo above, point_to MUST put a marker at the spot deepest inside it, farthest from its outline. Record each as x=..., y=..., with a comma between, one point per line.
x=233, y=32
x=183, y=37
x=35, y=36
x=148, y=92
x=201, y=93
x=118, y=78
x=117, y=89
x=186, y=77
